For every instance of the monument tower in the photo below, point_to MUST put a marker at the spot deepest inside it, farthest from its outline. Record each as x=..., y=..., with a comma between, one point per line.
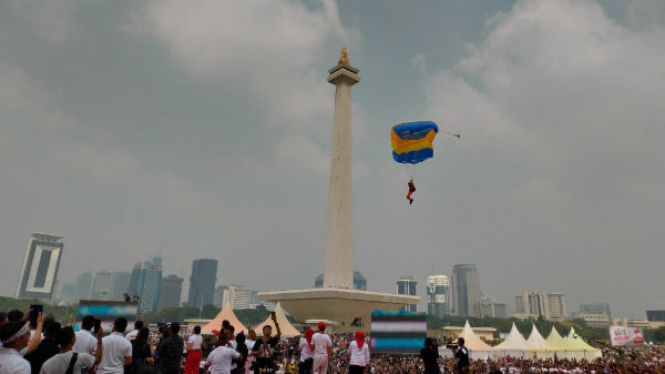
x=338, y=267
x=338, y=302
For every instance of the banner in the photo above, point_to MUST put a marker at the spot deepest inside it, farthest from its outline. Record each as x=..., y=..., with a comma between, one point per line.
x=107, y=312
x=397, y=332
x=624, y=335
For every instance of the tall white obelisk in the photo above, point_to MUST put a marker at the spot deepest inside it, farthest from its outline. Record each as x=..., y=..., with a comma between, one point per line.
x=338, y=268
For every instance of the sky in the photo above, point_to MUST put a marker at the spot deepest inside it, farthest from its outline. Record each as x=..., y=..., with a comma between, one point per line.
x=202, y=129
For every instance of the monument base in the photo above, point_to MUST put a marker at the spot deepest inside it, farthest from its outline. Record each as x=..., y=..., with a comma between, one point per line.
x=340, y=305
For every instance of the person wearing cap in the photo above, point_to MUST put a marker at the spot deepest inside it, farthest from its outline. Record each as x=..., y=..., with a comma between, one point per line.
x=15, y=337
x=322, y=350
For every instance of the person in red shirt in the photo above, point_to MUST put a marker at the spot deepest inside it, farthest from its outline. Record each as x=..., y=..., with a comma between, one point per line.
x=412, y=189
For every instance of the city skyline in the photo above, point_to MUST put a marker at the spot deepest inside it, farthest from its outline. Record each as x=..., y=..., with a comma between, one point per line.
x=132, y=131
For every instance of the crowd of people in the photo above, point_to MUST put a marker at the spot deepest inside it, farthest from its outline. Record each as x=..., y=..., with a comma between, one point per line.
x=41, y=345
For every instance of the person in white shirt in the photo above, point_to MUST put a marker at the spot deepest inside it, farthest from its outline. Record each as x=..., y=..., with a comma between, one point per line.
x=15, y=337
x=249, y=342
x=194, y=344
x=306, y=353
x=59, y=363
x=358, y=354
x=117, y=350
x=322, y=350
x=138, y=325
x=220, y=360
x=86, y=342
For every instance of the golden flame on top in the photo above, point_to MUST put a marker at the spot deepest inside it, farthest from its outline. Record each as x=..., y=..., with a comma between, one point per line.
x=343, y=59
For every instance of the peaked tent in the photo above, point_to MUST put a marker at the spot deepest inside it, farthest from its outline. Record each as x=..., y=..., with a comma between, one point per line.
x=478, y=349
x=580, y=348
x=284, y=325
x=537, y=344
x=513, y=346
x=559, y=345
x=225, y=314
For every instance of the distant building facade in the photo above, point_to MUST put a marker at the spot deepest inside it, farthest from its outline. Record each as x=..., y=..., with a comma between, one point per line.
x=550, y=305
x=119, y=285
x=146, y=281
x=466, y=290
x=101, y=286
x=406, y=285
x=202, y=282
x=656, y=315
x=40, y=267
x=438, y=300
x=359, y=281
x=596, y=308
x=171, y=292
x=239, y=297
x=491, y=309
x=593, y=319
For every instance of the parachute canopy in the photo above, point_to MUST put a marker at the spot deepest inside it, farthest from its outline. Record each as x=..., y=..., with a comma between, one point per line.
x=412, y=141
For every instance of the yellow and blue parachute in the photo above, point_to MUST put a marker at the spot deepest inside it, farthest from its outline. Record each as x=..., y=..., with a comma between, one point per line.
x=412, y=141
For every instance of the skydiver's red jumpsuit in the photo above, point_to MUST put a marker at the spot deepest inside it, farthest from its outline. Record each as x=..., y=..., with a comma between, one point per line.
x=412, y=189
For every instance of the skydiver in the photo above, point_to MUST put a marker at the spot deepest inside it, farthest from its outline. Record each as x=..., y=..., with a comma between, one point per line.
x=412, y=189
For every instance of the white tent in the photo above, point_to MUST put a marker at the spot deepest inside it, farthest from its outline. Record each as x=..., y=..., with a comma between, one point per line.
x=284, y=325
x=537, y=345
x=478, y=349
x=580, y=349
x=514, y=345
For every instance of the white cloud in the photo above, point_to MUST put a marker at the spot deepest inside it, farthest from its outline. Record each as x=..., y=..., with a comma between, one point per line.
x=555, y=81
x=268, y=47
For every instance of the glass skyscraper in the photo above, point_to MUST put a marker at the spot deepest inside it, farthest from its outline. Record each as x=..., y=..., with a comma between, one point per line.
x=202, y=283
x=466, y=290
x=146, y=281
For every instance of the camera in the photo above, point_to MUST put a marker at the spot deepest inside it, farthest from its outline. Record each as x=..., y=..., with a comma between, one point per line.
x=452, y=345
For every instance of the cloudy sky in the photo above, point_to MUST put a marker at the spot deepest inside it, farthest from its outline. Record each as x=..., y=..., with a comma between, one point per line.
x=203, y=129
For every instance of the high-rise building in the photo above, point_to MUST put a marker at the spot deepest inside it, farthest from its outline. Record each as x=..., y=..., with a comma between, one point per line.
x=101, y=286
x=491, y=309
x=359, y=281
x=550, y=305
x=202, y=282
x=119, y=285
x=83, y=286
x=466, y=291
x=596, y=308
x=218, y=300
x=40, y=267
x=406, y=285
x=146, y=281
x=239, y=297
x=171, y=292
x=438, y=302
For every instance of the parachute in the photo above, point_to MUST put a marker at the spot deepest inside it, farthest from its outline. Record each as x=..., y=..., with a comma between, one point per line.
x=412, y=141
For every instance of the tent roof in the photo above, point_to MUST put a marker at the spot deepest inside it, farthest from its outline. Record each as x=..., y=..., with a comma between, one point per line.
x=514, y=341
x=536, y=341
x=284, y=325
x=556, y=342
x=576, y=341
x=225, y=314
x=473, y=341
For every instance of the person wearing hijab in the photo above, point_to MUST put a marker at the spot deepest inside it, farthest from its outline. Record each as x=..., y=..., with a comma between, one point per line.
x=358, y=355
x=306, y=353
